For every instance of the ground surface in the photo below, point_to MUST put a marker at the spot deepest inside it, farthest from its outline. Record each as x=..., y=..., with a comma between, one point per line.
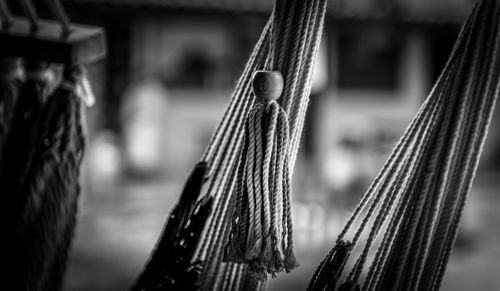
x=119, y=226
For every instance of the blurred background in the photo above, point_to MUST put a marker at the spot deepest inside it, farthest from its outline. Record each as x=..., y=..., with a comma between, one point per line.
x=168, y=76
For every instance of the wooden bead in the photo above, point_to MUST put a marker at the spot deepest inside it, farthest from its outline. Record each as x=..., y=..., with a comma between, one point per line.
x=267, y=85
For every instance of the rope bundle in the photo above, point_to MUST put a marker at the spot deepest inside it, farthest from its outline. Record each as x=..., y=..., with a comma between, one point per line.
x=260, y=233
x=416, y=201
x=288, y=44
x=39, y=180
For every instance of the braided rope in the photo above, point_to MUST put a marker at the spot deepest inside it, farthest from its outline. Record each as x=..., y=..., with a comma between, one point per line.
x=297, y=50
x=403, y=171
x=266, y=191
x=260, y=207
x=449, y=200
x=221, y=224
x=218, y=178
x=417, y=198
x=409, y=230
x=236, y=99
x=479, y=129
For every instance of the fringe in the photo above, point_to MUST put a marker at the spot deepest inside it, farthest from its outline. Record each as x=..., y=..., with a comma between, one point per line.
x=263, y=185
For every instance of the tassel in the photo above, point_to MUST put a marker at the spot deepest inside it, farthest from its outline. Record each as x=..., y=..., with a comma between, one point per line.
x=261, y=233
x=17, y=155
x=58, y=165
x=41, y=180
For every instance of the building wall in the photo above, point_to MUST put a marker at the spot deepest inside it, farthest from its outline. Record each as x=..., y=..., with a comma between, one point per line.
x=355, y=124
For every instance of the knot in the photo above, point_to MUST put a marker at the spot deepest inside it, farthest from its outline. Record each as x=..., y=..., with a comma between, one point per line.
x=267, y=85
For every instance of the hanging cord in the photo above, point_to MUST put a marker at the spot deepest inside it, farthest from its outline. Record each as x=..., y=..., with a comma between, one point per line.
x=264, y=252
x=229, y=173
x=218, y=154
x=404, y=200
x=445, y=145
x=481, y=129
x=238, y=101
x=222, y=181
x=421, y=247
x=476, y=134
x=434, y=162
x=417, y=199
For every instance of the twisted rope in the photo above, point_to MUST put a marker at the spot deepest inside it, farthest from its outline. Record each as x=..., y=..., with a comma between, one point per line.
x=261, y=218
x=416, y=200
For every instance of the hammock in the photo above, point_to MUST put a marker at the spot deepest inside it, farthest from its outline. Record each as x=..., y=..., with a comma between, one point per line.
x=239, y=194
x=252, y=153
x=415, y=203
x=39, y=178
x=416, y=200
x=42, y=140
x=249, y=162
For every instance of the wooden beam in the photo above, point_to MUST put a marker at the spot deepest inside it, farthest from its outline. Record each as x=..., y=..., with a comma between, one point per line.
x=84, y=44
